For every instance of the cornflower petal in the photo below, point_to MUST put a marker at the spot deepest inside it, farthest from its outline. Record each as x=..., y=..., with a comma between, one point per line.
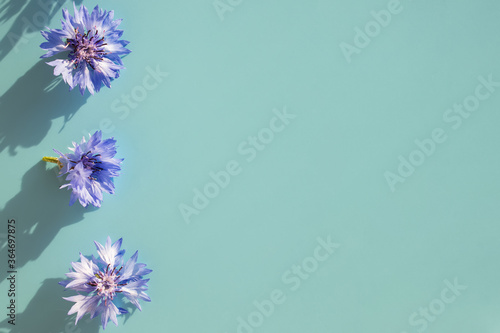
x=92, y=45
x=90, y=169
x=101, y=281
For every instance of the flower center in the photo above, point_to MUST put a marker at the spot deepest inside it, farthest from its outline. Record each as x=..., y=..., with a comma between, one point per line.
x=90, y=161
x=87, y=47
x=106, y=284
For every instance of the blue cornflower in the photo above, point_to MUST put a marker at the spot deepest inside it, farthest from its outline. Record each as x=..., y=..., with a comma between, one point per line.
x=91, y=47
x=99, y=281
x=90, y=167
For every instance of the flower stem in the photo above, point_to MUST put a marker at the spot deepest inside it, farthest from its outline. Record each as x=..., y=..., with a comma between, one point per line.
x=52, y=160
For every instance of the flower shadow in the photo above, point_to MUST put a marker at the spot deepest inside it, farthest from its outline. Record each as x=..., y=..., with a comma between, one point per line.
x=47, y=313
x=29, y=106
x=40, y=209
x=32, y=16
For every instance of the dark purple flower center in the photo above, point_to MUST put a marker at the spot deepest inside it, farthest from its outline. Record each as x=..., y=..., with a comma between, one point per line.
x=90, y=161
x=106, y=283
x=87, y=47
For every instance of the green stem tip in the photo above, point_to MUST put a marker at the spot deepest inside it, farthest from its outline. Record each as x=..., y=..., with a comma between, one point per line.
x=52, y=160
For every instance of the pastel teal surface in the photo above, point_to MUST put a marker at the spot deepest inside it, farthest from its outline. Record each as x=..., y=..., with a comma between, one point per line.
x=389, y=153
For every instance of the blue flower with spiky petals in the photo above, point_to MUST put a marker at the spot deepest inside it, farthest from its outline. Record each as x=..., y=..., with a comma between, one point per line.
x=99, y=281
x=90, y=169
x=92, y=48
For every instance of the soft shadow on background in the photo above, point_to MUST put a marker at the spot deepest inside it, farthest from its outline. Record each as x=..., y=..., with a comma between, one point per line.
x=33, y=16
x=29, y=106
x=48, y=212
x=47, y=313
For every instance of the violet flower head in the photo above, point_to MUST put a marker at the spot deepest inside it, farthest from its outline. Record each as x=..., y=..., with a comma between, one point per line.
x=90, y=48
x=90, y=169
x=100, y=281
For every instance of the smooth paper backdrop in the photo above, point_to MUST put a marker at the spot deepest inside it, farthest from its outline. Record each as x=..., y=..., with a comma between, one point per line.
x=365, y=92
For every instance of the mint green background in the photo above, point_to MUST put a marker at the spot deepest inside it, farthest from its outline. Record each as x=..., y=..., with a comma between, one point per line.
x=323, y=175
